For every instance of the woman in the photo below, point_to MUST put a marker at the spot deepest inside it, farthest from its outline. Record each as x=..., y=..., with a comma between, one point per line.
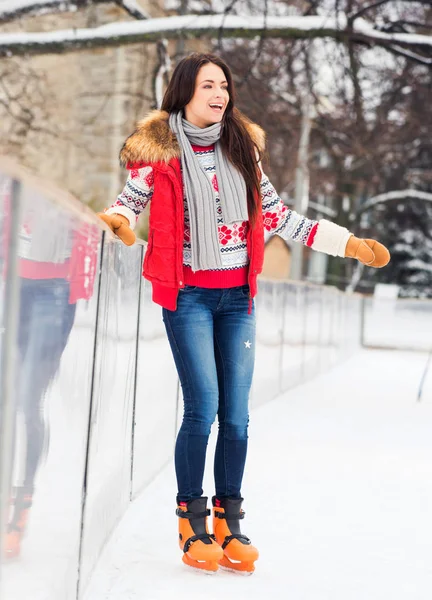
x=198, y=161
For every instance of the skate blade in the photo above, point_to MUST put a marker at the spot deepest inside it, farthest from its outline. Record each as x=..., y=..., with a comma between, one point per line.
x=205, y=567
x=240, y=568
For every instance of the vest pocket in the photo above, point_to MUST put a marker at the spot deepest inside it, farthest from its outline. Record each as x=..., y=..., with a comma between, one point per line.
x=159, y=263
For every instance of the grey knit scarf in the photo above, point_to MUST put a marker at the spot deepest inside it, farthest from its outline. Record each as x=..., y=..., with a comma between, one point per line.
x=200, y=194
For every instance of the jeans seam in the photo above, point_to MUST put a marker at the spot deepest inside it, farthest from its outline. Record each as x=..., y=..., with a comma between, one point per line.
x=227, y=482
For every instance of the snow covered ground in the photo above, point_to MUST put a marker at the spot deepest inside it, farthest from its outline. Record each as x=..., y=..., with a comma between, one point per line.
x=337, y=492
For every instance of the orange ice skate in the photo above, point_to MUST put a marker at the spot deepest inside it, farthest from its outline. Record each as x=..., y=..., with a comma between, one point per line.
x=16, y=527
x=200, y=549
x=239, y=554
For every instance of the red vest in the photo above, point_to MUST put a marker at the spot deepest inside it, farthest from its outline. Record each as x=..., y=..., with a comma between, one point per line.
x=163, y=261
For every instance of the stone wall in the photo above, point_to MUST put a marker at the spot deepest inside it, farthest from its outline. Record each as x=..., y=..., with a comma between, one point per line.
x=72, y=111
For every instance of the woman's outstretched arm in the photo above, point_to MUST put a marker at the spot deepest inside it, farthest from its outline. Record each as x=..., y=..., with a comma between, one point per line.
x=323, y=235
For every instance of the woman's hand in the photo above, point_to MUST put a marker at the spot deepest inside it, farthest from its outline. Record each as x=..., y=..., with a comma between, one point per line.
x=369, y=252
x=120, y=226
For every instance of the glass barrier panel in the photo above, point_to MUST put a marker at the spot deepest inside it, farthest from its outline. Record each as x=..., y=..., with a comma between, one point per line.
x=328, y=348
x=156, y=399
x=403, y=324
x=266, y=380
x=108, y=484
x=293, y=336
x=57, y=264
x=312, y=331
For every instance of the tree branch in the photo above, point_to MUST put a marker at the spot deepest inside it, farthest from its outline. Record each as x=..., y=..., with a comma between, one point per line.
x=389, y=197
x=226, y=12
x=418, y=58
x=259, y=48
x=402, y=22
x=358, y=95
x=191, y=26
x=11, y=10
x=133, y=9
x=365, y=9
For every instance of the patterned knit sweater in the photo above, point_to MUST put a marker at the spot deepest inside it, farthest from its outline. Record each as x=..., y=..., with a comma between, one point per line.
x=278, y=219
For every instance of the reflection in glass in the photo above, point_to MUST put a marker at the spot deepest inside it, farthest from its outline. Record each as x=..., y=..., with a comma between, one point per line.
x=57, y=259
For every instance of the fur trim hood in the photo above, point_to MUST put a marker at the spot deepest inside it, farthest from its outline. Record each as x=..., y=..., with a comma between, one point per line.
x=153, y=141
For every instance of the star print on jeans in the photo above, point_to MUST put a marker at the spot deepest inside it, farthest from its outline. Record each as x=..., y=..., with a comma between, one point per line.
x=247, y=344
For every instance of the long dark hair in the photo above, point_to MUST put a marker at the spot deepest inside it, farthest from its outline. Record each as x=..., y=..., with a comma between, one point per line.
x=236, y=142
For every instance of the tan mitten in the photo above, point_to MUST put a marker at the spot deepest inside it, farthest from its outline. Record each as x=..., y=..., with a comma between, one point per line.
x=120, y=226
x=369, y=252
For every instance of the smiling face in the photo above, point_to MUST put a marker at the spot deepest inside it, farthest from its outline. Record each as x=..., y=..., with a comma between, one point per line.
x=210, y=99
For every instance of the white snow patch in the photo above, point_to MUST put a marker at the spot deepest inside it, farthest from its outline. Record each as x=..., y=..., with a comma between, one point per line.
x=337, y=497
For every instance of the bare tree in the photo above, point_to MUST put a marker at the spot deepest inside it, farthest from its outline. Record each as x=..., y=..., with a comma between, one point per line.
x=368, y=133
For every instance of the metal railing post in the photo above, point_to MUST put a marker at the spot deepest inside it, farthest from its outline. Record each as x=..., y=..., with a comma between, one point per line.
x=9, y=357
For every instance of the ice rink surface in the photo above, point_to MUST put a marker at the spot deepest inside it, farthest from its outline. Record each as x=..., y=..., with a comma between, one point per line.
x=338, y=490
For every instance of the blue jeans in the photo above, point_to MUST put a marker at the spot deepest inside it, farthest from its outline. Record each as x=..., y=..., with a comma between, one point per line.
x=46, y=320
x=212, y=339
